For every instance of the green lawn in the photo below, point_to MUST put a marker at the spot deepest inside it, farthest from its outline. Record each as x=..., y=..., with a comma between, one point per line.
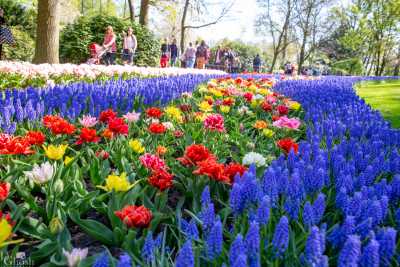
x=383, y=96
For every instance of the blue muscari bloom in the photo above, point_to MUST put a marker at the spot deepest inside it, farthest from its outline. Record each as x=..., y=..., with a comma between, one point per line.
x=397, y=218
x=292, y=207
x=245, y=192
x=185, y=257
x=280, y=240
x=252, y=243
x=190, y=229
x=339, y=233
x=237, y=247
x=102, y=261
x=270, y=185
x=263, y=211
x=207, y=217
x=315, y=246
x=375, y=212
x=241, y=261
x=341, y=199
x=364, y=228
x=158, y=240
x=205, y=197
x=370, y=255
x=319, y=208
x=148, y=248
x=395, y=193
x=387, y=245
x=124, y=260
x=214, y=241
x=308, y=215
x=350, y=253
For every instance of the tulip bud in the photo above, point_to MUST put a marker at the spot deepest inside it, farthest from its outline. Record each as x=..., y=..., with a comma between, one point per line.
x=241, y=127
x=102, y=154
x=58, y=186
x=251, y=145
x=56, y=225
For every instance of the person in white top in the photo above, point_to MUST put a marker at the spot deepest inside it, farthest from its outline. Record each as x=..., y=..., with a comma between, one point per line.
x=129, y=47
x=190, y=56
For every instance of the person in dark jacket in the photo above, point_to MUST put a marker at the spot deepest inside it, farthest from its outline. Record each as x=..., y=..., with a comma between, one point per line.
x=202, y=54
x=257, y=63
x=6, y=36
x=173, y=48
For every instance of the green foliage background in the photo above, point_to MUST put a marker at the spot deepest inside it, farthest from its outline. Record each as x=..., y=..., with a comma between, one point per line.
x=24, y=48
x=245, y=52
x=75, y=39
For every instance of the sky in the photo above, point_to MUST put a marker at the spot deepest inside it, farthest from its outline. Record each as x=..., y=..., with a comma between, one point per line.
x=239, y=24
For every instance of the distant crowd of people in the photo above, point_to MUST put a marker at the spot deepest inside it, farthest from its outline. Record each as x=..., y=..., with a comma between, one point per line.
x=194, y=56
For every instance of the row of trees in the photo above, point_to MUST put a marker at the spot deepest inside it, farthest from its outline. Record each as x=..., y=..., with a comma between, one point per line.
x=359, y=38
x=48, y=25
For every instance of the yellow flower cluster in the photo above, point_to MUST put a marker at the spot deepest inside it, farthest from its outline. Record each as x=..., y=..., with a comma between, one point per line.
x=117, y=183
x=137, y=146
x=294, y=105
x=174, y=113
x=55, y=152
x=225, y=109
x=205, y=106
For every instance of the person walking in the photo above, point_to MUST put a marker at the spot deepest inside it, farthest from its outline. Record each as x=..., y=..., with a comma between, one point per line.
x=174, y=52
x=202, y=55
x=219, y=55
x=190, y=56
x=165, y=52
x=6, y=37
x=129, y=47
x=110, y=44
x=257, y=63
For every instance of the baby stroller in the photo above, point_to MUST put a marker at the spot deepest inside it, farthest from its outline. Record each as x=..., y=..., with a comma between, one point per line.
x=96, y=52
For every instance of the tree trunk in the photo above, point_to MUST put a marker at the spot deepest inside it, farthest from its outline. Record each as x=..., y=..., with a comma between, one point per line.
x=47, y=33
x=396, y=69
x=131, y=10
x=144, y=12
x=274, y=57
x=302, y=53
x=183, y=22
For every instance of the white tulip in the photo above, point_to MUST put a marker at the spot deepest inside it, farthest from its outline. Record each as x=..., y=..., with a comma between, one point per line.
x=254, y=158
x=75, y=256
x=41, y=174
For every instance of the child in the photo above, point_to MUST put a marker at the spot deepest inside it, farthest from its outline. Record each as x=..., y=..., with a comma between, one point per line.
x=165, y=51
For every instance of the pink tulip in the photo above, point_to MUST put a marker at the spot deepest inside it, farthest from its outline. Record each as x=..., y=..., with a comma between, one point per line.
x=285, y=122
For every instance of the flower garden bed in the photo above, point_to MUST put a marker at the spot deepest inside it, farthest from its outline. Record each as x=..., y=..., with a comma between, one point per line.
x=24, y=74
x=159, y=188
x=138, y=185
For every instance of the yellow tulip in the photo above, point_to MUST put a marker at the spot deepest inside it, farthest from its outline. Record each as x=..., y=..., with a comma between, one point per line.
x=252, y=88
x=294, y=105
x=268, y=133
x=68, y=160
x=55, y=152
x=205, y=106
x=216, y=92
x=225, y=109
x=6, y=233
x=5, y=230
x=174, y=113
x=117, y=183
x=136, y=146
